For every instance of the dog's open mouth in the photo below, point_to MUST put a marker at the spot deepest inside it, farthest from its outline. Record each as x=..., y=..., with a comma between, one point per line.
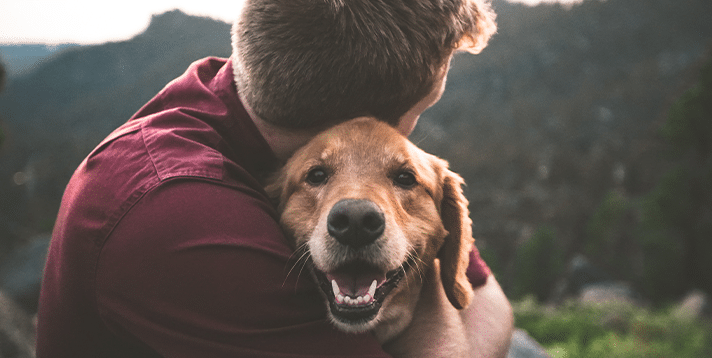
x=356, y=290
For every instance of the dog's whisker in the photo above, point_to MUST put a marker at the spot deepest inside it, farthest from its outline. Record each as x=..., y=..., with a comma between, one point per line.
x=299, y=274
x=304, y=264
x=418, y=265
x=415, y=261
x=419, y=271
x=300, y=250
x=303, y=258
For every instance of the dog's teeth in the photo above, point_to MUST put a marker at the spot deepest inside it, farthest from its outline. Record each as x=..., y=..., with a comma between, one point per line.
x=354, y=301
x=335, y=287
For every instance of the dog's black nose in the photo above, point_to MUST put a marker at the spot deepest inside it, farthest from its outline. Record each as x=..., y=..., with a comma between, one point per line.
x=355, y=222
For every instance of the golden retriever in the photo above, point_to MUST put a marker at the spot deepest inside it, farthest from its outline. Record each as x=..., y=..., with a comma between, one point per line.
x=370, y=213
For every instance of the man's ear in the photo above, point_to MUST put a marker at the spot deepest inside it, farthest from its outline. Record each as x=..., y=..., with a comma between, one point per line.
x=455, y=252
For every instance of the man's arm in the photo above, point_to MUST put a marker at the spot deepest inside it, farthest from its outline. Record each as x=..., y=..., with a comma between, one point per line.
x=489, y=320
x=483, y=329
x=197, y=269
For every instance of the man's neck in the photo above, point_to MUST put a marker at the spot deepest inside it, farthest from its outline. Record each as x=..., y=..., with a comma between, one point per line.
x=283, y=142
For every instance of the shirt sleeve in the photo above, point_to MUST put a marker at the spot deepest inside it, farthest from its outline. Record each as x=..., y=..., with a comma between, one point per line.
x=198, y=269
x=477, y=271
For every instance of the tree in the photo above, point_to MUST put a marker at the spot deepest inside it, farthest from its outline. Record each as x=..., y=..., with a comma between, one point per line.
x=609, y=235
x=676, y=225
x=2, y=85
x=539, y=263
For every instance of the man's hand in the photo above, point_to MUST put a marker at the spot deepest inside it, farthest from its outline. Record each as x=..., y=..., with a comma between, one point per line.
x=483, y=329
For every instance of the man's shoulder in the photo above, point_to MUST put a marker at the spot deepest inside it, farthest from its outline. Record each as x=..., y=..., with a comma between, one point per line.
x=141, y=154
x=139, y=157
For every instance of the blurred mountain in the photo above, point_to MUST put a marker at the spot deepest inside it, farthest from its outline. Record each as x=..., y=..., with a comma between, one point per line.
x=23, y=58
x=57, y=113
x=562, y=107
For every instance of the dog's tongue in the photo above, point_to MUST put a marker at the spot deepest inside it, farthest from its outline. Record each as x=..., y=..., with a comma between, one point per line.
x=356, y=280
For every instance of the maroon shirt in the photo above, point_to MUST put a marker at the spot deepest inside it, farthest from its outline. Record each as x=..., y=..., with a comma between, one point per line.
x=166, y=244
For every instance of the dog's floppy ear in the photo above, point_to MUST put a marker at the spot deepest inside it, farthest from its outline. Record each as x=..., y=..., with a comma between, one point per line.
x=276, y=187
x=455, y=252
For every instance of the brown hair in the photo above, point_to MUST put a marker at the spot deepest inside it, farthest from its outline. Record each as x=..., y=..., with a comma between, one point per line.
x=310, y=63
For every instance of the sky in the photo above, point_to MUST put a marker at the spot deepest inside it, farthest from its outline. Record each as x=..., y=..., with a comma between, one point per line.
x=94, y=22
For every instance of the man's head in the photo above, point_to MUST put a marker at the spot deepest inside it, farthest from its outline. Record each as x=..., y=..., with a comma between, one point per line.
x=304, y=64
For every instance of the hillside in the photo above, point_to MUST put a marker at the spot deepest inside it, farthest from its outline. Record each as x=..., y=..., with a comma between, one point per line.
x=56, y=114
x=23, y=58
x=563, y=107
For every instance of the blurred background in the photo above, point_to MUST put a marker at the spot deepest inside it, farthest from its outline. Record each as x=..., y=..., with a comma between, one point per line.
x=584, y=132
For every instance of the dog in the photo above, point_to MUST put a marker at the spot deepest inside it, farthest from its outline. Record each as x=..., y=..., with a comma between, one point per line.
x=371, y=214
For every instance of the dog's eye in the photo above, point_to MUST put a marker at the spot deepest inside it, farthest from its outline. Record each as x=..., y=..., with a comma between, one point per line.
x=317, y=176
x=405, y=179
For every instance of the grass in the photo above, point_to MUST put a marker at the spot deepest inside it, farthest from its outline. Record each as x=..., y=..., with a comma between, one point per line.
x=614, y=330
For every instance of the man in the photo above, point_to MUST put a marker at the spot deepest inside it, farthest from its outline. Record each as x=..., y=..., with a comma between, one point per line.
x=166, y=244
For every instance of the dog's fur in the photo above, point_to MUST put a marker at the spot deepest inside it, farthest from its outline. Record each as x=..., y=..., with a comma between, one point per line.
x=423, y=211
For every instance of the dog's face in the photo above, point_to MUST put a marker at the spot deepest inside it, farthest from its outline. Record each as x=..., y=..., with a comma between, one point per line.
x=370, y=212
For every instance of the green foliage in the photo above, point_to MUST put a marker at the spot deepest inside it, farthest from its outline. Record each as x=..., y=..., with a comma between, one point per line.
x=566, y=325
x=670, y=204
x=607, y=233
x=663, y=211
x=575, y=330
x=676, y=217
x=689, y=125
x=607, y=217
x=538, y=264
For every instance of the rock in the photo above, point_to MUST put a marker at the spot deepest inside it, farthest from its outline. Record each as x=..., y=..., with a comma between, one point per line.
x=583, y=273
x=21, y=274
x=611, y=292
x=591, y=285
x=17, y=332
x=524, y=346
x=579, y=274
x=694, y=306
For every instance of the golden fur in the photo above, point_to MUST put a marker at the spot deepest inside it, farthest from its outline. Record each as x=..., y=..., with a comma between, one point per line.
x=367, y=165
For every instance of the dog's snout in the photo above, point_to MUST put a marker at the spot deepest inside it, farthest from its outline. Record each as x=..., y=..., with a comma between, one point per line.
x=355, y=222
